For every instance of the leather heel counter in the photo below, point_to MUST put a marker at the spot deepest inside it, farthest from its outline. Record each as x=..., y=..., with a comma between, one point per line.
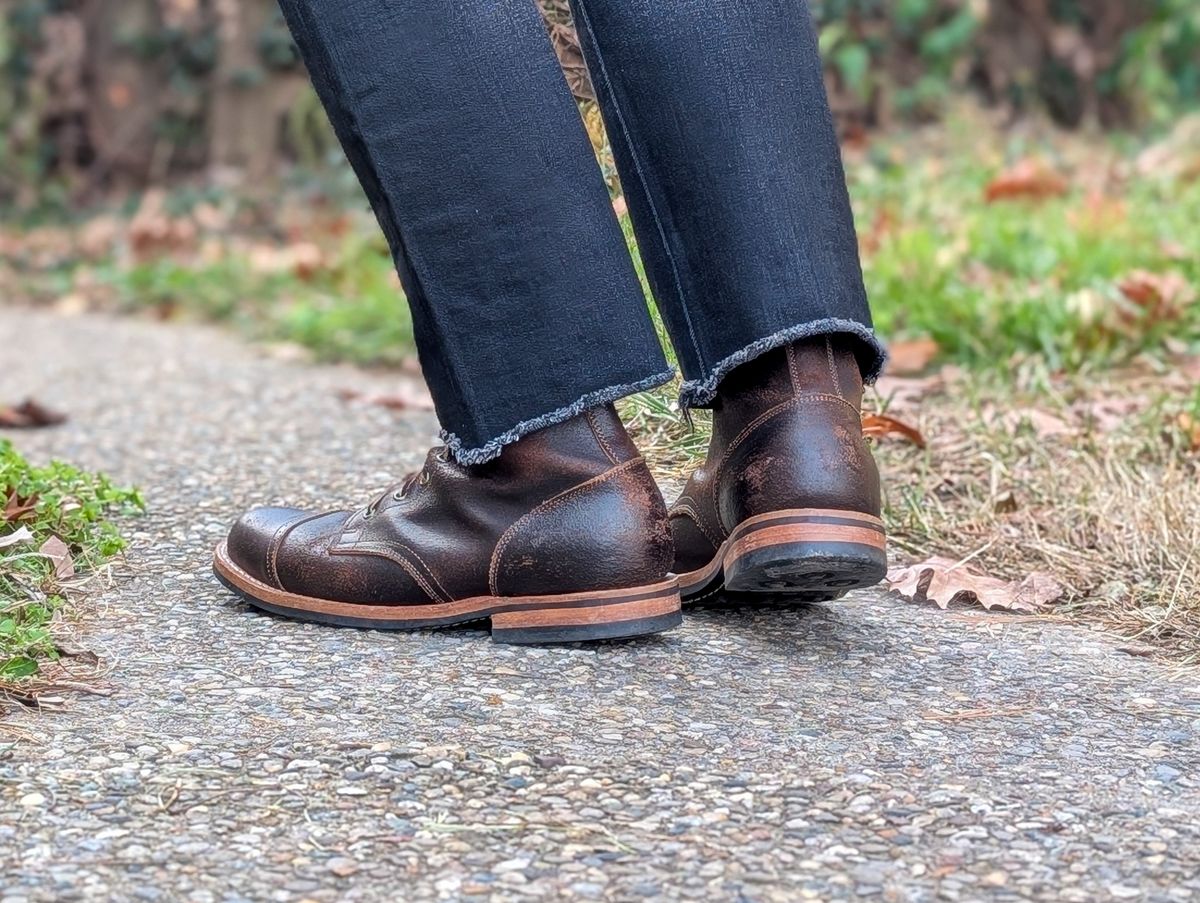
x=811, y=454
x=608, y=533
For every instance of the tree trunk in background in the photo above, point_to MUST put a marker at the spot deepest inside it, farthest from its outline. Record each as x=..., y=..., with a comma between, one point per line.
x=1027, y=56
x=248, y=103
x=124, y=100
x=102, y=94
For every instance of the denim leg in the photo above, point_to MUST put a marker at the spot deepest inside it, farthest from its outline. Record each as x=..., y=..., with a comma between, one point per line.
x=726, y=147
x=460, y=126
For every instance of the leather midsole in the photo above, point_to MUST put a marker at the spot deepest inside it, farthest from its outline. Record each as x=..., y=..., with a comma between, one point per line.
x=569, y=608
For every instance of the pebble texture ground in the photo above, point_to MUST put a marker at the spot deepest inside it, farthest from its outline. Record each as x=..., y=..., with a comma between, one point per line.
x=859, y=749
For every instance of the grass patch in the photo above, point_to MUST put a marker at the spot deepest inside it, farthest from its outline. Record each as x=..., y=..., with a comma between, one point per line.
x=990, y=280
x=305, y=274
x=39, y=505
x=984, y=280
x=1095, y=481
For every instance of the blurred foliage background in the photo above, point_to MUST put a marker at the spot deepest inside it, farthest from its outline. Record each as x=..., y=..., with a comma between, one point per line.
x=97, y=95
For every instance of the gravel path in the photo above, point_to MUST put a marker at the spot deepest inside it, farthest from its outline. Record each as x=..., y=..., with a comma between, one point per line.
x=864, y=748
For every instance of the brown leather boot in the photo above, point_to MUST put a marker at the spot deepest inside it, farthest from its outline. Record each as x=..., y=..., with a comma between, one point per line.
x=563, y=537
x=788, y=500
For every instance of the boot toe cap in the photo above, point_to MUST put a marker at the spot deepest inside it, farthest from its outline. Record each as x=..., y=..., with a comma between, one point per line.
x=250, y=541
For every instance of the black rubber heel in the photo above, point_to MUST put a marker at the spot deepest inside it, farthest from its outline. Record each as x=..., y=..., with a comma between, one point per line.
x=818, y=570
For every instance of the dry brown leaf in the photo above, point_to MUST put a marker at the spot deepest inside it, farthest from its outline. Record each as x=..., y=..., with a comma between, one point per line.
x=905, y=392
x=1029, y=179
x=302, y=259
x=570, y=58
x=945, y=583
x=1190, y=427
x=1162, y=296
x=29, y=414
x=911, y=356
x=18, y=507
x=153, y=232
x=60, y=555
x=882, y=227
x=1044, y=424
x=1107, y=414
x=880, y=426
x=405, y=398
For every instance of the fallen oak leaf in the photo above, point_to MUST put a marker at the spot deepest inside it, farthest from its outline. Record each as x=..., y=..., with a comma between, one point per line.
x=911, y=356
x=406, y=398
x=1162, y=296
x=945, y=583
x=880, y=426
x=906, y=392
x=1108, y=414
x=1044, y=424
x=29, y=415
x=1029, y=179
x=1189, y=426
x=60, y=556
x=18, y=507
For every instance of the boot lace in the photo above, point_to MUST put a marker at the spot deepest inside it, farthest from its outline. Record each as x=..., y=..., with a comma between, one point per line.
x=397, y=491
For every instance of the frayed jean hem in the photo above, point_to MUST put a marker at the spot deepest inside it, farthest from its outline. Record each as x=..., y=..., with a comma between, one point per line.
x=493, y=447
x=697, y=393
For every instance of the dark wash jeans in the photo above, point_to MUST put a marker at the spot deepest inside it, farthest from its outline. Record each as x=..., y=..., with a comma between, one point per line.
x=525, y=303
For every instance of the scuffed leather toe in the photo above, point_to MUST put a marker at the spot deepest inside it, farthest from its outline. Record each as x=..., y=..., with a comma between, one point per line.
x=250, y=540
x=312, y=560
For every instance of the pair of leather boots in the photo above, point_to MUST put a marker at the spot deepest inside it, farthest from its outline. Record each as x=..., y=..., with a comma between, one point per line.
x=566, y=536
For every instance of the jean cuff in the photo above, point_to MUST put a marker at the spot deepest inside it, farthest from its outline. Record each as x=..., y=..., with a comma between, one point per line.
x=492, y=448
x=697, y=393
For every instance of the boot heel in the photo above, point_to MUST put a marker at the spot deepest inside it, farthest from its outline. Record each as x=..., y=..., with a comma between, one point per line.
x=817, y=554
x=575, y=617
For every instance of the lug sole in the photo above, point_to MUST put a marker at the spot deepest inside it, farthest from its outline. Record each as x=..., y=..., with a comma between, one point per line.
x=562, y=618
x=809, y=554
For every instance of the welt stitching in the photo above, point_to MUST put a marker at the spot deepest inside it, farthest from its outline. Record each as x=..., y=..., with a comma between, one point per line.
x=707, y=595
x=550, y=503
x=637, y=167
